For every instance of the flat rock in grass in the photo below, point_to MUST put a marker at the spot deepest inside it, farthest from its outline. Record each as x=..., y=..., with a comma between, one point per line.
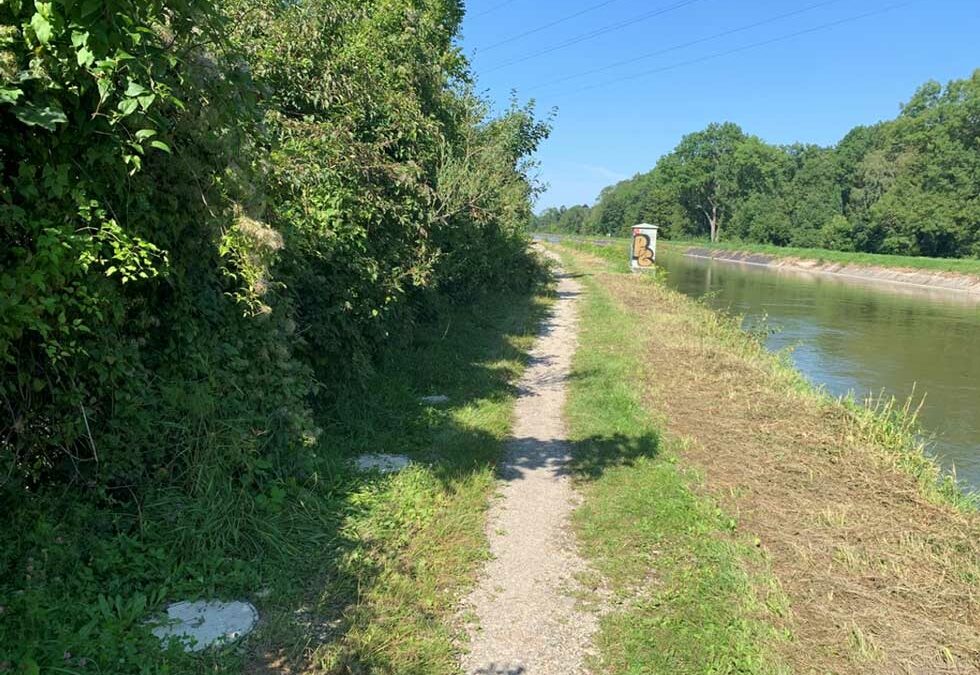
x=435, y=400
x=199, y=625
x=382, y=463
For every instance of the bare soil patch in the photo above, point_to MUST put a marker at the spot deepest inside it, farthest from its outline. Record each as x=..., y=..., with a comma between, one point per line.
x=880, y=579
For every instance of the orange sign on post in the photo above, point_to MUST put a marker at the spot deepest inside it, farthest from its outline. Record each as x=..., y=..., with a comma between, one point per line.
x=643, y=251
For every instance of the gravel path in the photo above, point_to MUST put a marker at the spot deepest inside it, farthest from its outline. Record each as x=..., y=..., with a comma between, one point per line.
x=527, y=620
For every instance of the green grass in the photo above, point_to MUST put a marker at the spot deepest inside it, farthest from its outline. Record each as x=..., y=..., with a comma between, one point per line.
x=958, y=265
x=350, y=572
x=889, y=426
x=688, y=595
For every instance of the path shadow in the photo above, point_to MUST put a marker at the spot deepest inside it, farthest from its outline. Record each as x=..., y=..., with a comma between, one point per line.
x=585, y=458
x=501, y=669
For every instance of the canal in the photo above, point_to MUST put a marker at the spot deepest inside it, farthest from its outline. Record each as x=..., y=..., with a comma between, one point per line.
x=862, y=339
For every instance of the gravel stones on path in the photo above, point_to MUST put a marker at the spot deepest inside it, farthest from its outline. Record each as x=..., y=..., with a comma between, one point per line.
x=527, y=620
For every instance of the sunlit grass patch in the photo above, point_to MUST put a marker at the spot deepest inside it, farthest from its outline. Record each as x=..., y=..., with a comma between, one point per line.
x=685, y=595
x=957, y=265
x=852, y=524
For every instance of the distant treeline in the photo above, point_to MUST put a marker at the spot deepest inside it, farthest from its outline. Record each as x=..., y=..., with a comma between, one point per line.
x=907, y=186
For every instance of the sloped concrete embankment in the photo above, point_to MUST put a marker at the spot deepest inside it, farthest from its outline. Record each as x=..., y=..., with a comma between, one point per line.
x=935, y=279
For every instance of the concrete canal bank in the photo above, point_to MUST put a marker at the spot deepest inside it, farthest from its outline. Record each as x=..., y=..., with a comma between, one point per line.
x=922, y=278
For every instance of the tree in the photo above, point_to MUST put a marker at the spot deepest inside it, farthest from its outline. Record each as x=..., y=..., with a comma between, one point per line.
x=910, y=185
x=702, y=173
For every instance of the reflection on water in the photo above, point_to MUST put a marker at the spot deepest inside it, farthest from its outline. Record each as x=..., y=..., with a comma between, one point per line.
x=863, y=339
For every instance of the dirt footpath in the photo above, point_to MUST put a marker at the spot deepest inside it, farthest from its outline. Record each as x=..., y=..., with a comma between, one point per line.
x=523, y=618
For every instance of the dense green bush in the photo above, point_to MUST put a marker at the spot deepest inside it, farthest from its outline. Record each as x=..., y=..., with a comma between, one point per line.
x=205, y=205
x=908, y=186
x=213, y=217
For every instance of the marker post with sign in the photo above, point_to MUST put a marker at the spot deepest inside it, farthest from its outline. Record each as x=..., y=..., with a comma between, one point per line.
x=643, y=248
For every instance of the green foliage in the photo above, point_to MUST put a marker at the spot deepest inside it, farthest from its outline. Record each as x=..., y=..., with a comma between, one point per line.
x=910, y=186
x=213, y=218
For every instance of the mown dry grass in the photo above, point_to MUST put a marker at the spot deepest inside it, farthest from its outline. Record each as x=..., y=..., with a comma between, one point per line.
x=882, y=577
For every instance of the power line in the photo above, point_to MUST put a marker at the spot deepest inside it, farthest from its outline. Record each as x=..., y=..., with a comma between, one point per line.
x=684, y=45
x=754, y=45
x=493, y=9
x=593, y=34
x=546, y=26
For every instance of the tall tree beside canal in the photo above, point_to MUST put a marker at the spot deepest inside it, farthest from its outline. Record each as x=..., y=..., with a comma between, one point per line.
x=907, y=186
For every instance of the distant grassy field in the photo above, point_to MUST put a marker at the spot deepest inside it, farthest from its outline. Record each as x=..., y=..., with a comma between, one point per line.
x=959, y=265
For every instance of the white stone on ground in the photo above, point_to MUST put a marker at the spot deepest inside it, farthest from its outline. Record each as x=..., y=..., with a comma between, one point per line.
x=435, y=400
x=199, y=625
x=382, y=463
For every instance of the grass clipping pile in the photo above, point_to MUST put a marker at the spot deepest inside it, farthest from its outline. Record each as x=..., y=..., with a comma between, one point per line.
x=882, y=576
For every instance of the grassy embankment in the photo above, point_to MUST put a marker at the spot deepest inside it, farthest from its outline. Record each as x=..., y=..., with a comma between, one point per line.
x=684, y=601
x=360, y=575
x=745, y=521
x=956, y=265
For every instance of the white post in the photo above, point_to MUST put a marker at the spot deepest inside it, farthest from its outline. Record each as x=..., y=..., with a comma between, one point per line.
x=643, y=247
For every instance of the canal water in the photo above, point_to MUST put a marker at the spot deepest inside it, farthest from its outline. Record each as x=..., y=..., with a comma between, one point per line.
x=862, y=339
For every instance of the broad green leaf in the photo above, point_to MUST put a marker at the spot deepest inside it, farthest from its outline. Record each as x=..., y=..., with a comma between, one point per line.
x=128, y=106
x=10, y=95
x=90, y=7
x=160, y=145
x=146, y=101
x=143, y=134
x=135, y=89
x=42, y=27
x=103, y=83
x=85, y=57
x=47, y=117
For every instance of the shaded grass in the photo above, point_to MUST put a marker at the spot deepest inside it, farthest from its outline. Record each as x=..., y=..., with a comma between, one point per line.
x=351, y=572
x=686, y=596
x=383, y=599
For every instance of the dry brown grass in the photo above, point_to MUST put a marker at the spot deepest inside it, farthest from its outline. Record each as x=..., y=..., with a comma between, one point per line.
x=881, y=579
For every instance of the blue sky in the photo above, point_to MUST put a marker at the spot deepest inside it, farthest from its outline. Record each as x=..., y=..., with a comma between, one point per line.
x=811, y=87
